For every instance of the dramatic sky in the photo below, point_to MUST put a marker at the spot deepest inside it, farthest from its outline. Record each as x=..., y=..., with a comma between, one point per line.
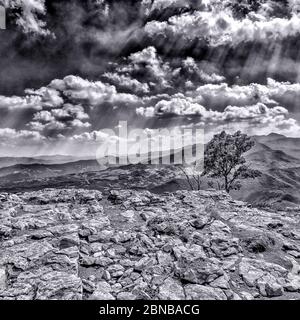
x=71, y=68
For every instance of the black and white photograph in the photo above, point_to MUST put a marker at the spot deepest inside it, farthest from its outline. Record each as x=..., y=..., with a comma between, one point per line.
x=149, y=150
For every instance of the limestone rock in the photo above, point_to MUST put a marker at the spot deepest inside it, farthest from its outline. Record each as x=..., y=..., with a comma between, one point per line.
x=102, y=292
x=293, y=284
x=74, y=244
x=199, y=292
x=270, y=289
x=128, y=214
x=2, y=278
x=171, y=290
x=59, y=286
x=126, y=296
x=221, y=282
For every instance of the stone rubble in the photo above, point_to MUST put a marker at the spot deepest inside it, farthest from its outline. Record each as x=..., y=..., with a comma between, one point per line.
x=73, y=244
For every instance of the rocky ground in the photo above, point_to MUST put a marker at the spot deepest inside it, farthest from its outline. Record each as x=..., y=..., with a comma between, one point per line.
x=82, y=244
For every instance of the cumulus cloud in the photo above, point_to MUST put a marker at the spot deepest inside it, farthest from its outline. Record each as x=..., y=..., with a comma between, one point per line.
x=44, y=116
x=185, y=106
x=29, y=18
x=92, y=136
x=161, y=7
x=220, y=96
x=9, y=133
x=148, y=63
x=33, y=100
x=16, y=142
x=273, y=93
x=49, y=97
x=127, y=83
x=294, y=5
x=90, y=92
x=166, y=62
x=220, y=27
x=217, y=106
x=14, y=103
x=258, y=112
x=175, y=106
x=150, y=5
x=57, y=121
x=142, y=72
x=146, y=72
x=195, y=72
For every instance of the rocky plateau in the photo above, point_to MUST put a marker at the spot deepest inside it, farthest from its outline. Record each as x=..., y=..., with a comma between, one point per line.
x=76, y=244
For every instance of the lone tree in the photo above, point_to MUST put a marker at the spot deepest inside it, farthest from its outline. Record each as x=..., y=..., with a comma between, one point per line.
x=224, y=159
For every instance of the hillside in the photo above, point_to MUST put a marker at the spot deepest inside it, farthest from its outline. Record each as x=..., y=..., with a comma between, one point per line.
x=20, y=172
x=278, y=185
x=83, y=244
x=46, y=160
x=278, y=159
x=290, y=146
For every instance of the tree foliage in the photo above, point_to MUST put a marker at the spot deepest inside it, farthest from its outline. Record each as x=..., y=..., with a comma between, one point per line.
x=224, y=159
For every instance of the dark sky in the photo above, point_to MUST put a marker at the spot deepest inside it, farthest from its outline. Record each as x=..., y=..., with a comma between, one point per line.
x=160, y=63
x=86, y=39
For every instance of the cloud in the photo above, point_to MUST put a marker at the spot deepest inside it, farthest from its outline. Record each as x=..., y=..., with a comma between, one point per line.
x=142, y=72
x=12, y=134
x=150, y=5
x=90, y=92
x=294, y=5
x=126, y=83
x=184, y=106
x=199, y=72
x=165, y=8
x=176, y=106
x=150, y=65
x=146, y=72
x=16, y=142
x=29, y=19
x=67, y=119
x=49, y=97
x=216, y=107
x=219, y=27
x=216, y=63
x=18, y=103
x=33, y=100
x=258, y=112
x=218, y=96
x=44, y=116
x=93, y=136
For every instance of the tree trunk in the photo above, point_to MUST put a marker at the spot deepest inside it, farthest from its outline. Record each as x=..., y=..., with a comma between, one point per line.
x=226, y=184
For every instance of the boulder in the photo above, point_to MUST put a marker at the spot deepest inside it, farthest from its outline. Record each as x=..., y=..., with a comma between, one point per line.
x=293, y=283
x=126, y=296
x=199, y=292
x=2, y=278
x=102, y=292
x=59, y=286
x=171, y=290
x=270, y=288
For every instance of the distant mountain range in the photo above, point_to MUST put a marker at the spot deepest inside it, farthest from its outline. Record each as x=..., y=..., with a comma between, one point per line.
x=43, y=160
x=276, y=156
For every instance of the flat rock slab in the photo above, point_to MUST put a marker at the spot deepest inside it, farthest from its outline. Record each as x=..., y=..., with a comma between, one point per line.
x=74, y=244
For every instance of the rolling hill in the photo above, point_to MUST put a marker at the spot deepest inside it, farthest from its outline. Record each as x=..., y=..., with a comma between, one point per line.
x=275, y=156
